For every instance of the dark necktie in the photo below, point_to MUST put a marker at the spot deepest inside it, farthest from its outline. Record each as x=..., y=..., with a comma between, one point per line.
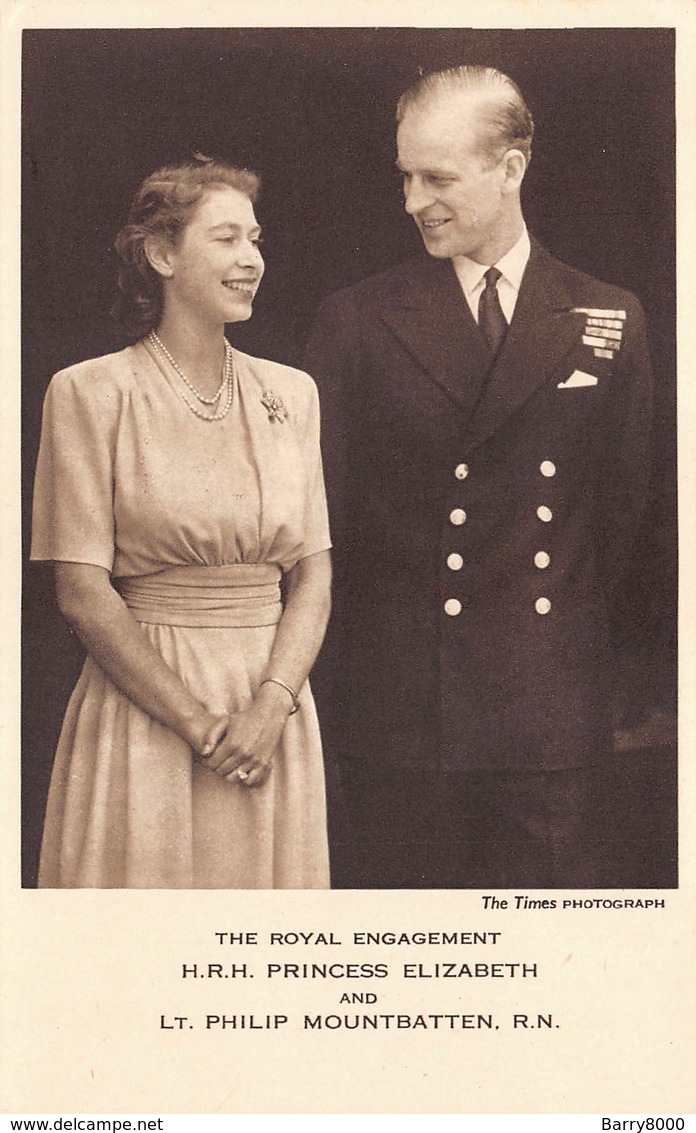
x=491, y=320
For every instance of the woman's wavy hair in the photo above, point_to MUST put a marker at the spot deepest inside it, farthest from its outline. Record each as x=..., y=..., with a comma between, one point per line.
x=162, y=207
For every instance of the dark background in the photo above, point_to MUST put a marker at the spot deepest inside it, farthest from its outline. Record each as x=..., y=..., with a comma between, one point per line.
x=312, y=111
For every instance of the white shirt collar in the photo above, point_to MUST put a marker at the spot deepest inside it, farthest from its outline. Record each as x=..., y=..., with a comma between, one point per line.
x=511, y=266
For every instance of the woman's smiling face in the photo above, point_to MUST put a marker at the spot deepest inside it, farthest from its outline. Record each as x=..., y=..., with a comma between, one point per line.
x=215, y=266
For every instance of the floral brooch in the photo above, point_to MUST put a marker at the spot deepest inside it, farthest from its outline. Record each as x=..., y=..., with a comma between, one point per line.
x=274, y=405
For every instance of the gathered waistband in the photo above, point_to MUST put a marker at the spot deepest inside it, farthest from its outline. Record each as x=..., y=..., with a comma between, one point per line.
x=242, y=594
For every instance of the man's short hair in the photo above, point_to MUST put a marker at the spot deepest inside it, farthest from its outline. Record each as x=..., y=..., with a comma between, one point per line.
x=505, y=113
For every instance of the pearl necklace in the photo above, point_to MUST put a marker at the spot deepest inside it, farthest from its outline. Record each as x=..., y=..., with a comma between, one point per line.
x=225, y=384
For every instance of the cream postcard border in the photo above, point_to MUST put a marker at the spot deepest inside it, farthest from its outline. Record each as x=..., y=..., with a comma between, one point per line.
x=86, y=975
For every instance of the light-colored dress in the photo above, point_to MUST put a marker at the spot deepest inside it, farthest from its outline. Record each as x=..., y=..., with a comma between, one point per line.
x=196, y=521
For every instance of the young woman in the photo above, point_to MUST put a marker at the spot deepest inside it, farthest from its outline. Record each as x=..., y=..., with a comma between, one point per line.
x=178, y=481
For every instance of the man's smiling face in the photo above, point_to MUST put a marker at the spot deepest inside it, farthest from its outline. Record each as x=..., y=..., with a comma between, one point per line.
x=453, y=189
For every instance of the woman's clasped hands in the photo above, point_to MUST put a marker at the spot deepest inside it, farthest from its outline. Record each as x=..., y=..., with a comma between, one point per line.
x=239, y=746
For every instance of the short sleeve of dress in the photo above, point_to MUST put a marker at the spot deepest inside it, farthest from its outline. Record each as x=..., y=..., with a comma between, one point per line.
x=317, y=536
x=73, y=518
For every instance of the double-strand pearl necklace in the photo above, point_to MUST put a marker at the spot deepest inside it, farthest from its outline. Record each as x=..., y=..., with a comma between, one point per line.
x=225, y=384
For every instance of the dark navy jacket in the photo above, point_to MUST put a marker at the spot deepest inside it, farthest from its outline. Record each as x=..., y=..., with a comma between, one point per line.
x=482, y=517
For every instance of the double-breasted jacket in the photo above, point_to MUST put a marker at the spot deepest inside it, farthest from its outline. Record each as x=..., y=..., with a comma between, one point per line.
x=482, y=514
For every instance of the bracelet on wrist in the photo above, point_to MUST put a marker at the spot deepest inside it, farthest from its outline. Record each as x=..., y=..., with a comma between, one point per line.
x=291, y=693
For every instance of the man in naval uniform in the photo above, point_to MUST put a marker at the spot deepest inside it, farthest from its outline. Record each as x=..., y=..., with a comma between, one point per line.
x=486, y=419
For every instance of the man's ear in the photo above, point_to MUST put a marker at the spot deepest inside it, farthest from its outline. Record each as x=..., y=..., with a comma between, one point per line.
x=515, y=164
x=159, y=255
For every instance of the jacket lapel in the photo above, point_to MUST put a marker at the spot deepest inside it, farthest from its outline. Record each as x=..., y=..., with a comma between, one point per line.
x=431, y=318
x=542, y=330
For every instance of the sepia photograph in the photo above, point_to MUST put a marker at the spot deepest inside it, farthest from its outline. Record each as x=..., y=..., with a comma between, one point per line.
x=496, y=685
